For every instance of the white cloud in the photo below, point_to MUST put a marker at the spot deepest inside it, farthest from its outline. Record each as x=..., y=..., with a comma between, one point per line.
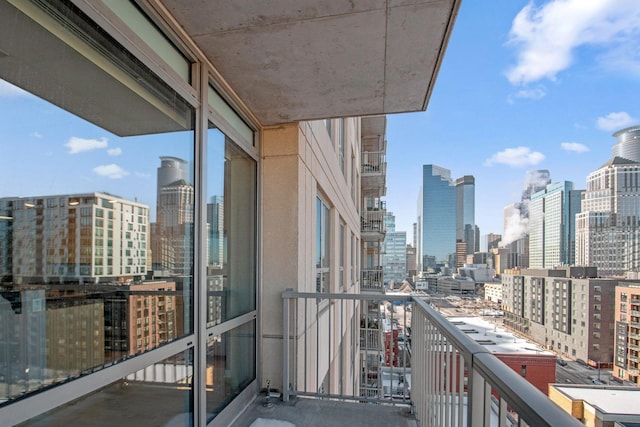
x=35, y=135
x=546, y=36
x=111, y=171
x=9, y=90
x=615, y=121
x=78, y=145
x=535, y=94
x=575, y=147
x=114, y=151
x=515, y=157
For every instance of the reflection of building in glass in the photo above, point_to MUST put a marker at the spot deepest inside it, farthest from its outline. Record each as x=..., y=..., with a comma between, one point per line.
x=23, y=335
x=215, y=228
x=172, y=230
x=86, y=238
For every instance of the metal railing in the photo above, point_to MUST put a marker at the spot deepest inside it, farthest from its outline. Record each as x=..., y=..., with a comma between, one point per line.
x=373, y=163
x=423, y=361
x=372, y=279
x=372, y=222
x=346, y=346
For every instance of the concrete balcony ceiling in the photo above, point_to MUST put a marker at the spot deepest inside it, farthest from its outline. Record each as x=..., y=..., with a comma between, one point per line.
x=292, y=60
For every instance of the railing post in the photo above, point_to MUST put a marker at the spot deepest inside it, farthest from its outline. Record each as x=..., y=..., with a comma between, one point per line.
x=285, y=348
x=476, y=398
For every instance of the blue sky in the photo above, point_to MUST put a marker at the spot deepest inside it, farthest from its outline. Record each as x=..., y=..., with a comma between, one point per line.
x=523, y=86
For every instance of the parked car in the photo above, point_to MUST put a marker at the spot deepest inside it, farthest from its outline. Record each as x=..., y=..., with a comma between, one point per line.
x=561, y=361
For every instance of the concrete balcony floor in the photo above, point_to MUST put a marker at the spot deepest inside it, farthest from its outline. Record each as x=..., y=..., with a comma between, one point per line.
x=302, y=412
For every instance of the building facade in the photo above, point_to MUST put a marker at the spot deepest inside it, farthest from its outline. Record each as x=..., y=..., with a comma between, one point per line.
x=466, y=230
x=552, y=213
x=394, y=250
x=86, y=238
x=608, y=227
x=627, y=333
x=568, y=310
x=436, y=218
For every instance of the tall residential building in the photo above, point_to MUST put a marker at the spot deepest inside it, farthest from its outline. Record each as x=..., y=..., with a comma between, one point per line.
x=86, y=238
x=466, y=228
x=436, y=218
x=627, y=333
x=394, y=250
x=552, y=213
x=608, y=228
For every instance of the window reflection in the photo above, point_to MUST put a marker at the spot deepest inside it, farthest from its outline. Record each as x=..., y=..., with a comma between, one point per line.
x=96, y=243
x=230, y=366
x=231, y=201
x=158, y=395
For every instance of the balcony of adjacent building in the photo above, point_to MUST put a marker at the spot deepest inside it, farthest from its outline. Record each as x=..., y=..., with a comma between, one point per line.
x=409, y=367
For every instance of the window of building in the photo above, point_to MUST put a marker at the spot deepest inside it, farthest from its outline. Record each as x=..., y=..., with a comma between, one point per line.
x=323, y=240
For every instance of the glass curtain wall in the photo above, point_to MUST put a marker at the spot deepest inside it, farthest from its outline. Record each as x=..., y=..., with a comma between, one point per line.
x=100, y=287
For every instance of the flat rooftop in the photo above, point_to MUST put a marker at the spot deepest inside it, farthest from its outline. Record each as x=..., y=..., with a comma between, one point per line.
x=610, y=400
x=496, y=339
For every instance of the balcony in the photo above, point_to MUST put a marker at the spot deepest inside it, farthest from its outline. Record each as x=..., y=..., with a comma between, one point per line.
x=450, y=379
x=372, y=226
x=374, y=172
x=372, y=280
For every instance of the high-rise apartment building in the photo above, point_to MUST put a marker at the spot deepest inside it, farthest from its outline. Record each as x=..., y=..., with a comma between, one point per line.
x=627, y=333
x=608, y=227
x=394, y=251
x=552, y=212
x=86, y=238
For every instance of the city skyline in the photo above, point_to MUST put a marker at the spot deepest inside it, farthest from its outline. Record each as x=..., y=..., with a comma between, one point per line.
x=500, y=114
x=501, y=126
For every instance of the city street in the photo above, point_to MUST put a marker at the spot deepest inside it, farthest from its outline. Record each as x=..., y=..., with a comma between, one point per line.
x=575, y=373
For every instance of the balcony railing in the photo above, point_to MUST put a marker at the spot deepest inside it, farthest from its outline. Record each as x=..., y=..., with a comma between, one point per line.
x=374, y=171
x=372, y=280
x=373, y=163
x=372, y=222
x=444, y=376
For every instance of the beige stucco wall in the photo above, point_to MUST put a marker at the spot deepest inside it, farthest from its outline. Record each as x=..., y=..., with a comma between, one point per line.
x=299, y=162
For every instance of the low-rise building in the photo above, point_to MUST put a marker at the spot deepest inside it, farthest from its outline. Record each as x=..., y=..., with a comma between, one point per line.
x=602, y=406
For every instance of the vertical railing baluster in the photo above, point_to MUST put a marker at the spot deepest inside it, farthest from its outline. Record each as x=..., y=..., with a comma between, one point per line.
x=285, y=350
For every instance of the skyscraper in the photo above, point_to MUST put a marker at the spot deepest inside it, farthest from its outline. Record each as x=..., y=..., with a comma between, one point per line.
x=608, y=228
x=552, y=212
x=436, y=218
x=465, y=213
x=394, y=249
x=174, y=218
